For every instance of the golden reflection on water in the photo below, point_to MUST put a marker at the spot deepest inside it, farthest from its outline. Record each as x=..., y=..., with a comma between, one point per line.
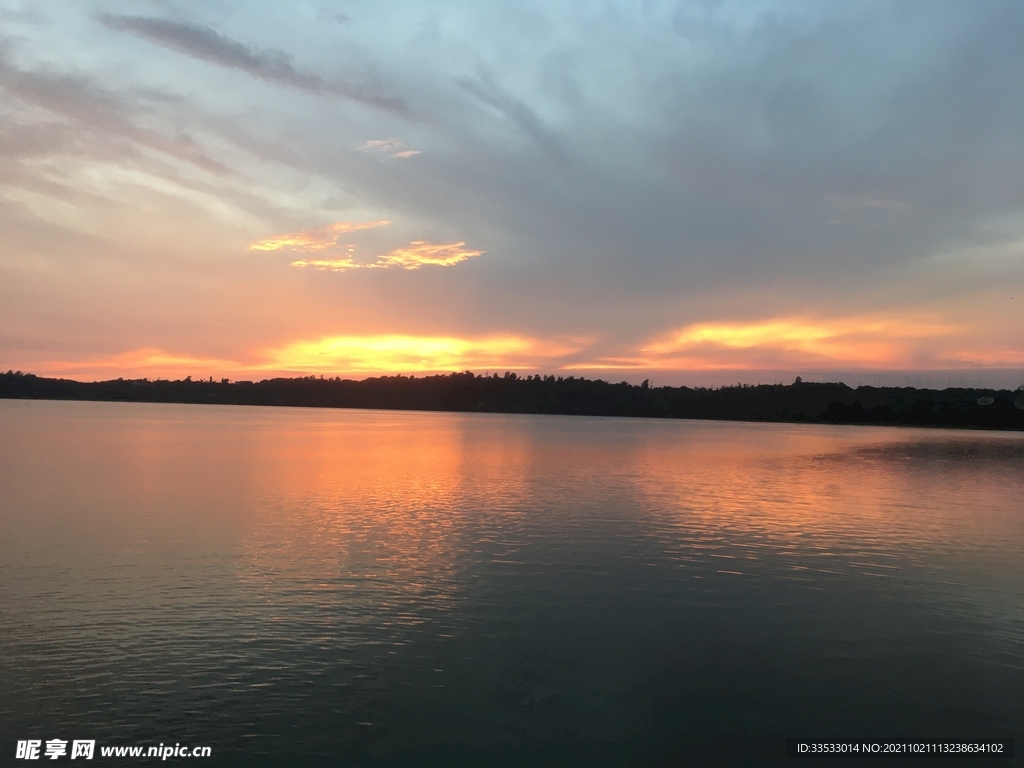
x=371, y=501
x=378, y=513
x=868, y=502
x=413, y=500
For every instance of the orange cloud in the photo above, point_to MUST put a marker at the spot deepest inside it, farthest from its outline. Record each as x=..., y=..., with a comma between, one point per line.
x=419, y=254
x=413, y=256
x=335, y=265
x=400, y=353
x=318, y=239
x=877, y=341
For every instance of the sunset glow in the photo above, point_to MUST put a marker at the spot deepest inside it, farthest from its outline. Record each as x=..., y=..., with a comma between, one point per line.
x=881, y=341
x=865, y=343
x=230, y=193
x=141, y=363
x=394, y=353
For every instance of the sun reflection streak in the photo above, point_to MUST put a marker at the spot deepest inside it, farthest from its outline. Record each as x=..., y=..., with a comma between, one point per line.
x=370, y=506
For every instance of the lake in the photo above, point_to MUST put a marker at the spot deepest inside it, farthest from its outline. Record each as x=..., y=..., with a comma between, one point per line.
x=370, y=588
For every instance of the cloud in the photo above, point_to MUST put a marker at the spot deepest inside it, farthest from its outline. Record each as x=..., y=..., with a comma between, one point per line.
x=335, y=265
x=871, y=342
x=846, y=203
x=318, y=239
x=79, y=99
x=381, y=145
x=274, y=66
x=415, y=255
x=420, y=254
x=391, y=146
x=820, y=336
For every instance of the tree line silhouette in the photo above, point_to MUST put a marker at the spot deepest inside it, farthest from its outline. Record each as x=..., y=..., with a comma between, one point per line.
x=834, y=403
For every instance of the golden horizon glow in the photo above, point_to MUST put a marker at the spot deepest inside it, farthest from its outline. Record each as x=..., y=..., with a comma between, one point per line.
x=336, y=355
x=912, y=342
x=150, y=361
x=402, y=353
x=318, y=239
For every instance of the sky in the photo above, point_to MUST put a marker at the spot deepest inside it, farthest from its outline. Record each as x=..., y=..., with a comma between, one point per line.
x=687, y=191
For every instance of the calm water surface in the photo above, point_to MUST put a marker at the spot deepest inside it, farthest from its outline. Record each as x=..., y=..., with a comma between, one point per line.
x=367, y=588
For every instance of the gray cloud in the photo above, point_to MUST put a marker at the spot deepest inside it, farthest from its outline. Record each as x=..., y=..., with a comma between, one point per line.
x=273, y=66
x=79, y=99
x=677, y=181
x=517, y=112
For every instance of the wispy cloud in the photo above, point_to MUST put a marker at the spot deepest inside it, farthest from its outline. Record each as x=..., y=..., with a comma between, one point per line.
x=381, y=145
x=418, y=253
x=848, y=339
x=849, y=202
x=421, y=254
x=97, y=112
x=274, y=66
x=318, y=239
x=413, y=256
x=334, y=265
x=391, y=146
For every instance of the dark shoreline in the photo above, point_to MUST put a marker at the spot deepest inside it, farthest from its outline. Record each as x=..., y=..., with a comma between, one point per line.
x=826, y=403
